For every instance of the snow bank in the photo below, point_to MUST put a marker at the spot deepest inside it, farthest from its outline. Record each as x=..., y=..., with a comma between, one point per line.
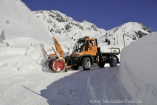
x=29, y=58
x=138, y=69
x=22, y=49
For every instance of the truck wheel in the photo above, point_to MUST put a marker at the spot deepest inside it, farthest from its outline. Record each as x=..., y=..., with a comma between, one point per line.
x=113, y=63
x=57, y=65
x=75, y=67
x=86, y=63
x=101, y=65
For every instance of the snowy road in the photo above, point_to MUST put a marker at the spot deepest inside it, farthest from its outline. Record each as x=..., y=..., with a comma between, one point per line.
x=72, y=88
x=86, y=88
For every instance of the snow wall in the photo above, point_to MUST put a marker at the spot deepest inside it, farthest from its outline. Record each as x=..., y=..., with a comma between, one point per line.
x=138, y=69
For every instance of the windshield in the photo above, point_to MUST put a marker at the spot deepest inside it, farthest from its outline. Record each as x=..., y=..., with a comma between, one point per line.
x=79, y=45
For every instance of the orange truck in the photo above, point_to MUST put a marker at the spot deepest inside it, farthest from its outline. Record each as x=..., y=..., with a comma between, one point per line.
x=85, y=53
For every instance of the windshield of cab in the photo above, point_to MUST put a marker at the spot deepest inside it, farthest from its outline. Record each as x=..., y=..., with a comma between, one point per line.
x=79, y=45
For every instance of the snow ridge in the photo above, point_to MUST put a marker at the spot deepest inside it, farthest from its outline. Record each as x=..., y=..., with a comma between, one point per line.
x=130, y=32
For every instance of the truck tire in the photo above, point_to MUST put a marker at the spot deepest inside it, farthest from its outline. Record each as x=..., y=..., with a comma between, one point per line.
x=86, y=63
x=101, y=65
x=113, y=63
x=75, y=67
x=57, y=65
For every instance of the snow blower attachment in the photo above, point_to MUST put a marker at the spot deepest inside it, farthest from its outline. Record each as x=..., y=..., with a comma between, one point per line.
x=56, y=60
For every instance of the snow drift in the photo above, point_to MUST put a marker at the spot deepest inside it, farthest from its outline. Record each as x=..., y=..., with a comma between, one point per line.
x=138, y=69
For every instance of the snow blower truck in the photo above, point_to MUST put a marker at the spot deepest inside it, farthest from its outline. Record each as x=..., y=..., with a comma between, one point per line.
x=85, y=53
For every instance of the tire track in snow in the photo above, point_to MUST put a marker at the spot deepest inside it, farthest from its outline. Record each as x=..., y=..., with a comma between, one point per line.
x=89, y=85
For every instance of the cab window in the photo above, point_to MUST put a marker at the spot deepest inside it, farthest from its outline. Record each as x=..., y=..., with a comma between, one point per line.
x=91, y=43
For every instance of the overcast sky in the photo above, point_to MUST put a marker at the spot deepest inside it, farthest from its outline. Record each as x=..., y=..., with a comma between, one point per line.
x=105, y=14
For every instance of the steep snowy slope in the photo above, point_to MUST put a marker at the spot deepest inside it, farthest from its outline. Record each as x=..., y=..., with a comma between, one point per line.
x=129, y=32
x=22, y=37
x=138, y=69
x=66, y=28
x=18, y=21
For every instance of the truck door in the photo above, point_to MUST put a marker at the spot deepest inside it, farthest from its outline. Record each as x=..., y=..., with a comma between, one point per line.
x=91, y=47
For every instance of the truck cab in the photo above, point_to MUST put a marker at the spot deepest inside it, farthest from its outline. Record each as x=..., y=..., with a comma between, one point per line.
x=85, y=46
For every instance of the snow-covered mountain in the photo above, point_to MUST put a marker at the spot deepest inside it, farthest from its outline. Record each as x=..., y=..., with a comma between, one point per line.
x=128, y=32
x=66, y=28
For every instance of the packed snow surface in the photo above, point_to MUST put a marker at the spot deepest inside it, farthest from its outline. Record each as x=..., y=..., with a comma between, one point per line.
x=138, y=69
x=97, y=86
